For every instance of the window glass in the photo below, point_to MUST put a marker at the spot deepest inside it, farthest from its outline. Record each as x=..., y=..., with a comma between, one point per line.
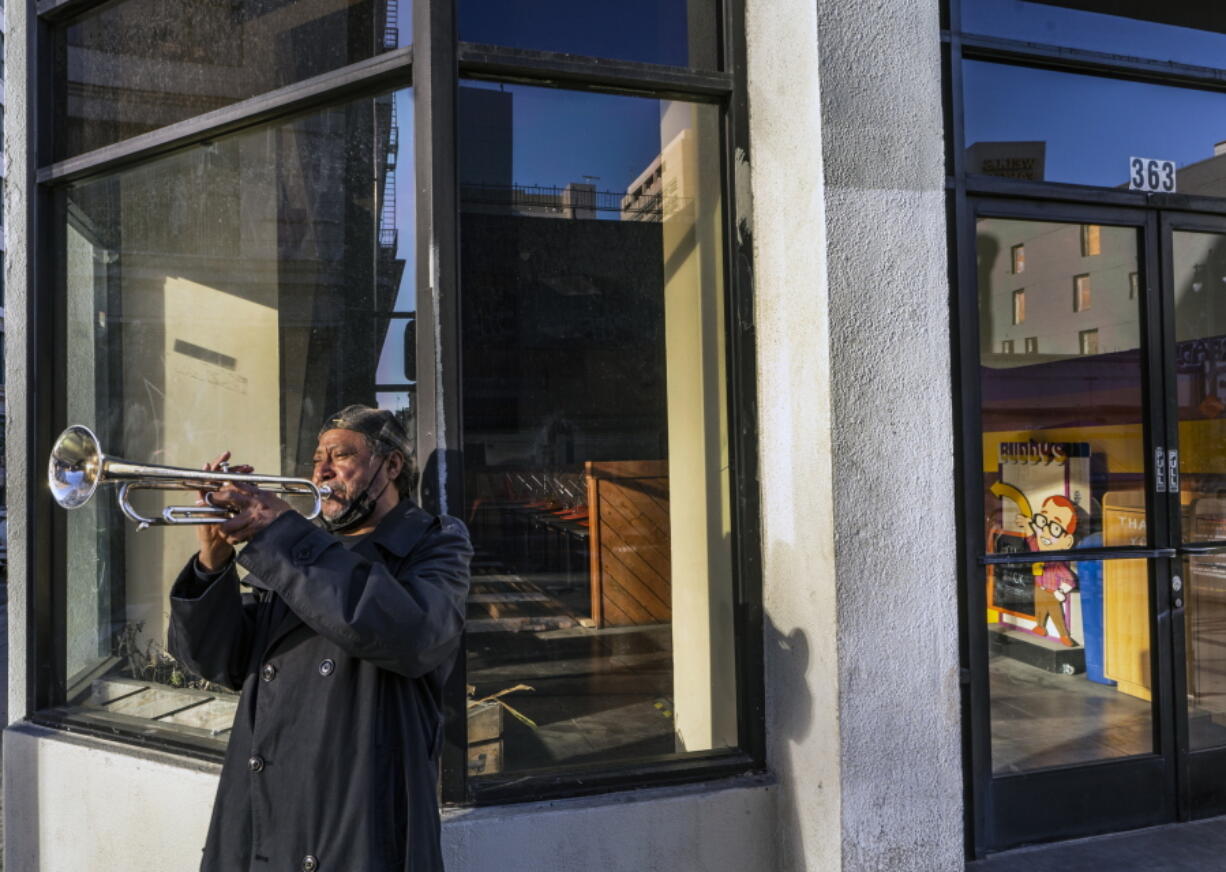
x=136, y=65
x=1187, y=31
x=227, y=296
x=1044, y=125
x=678, y=32
x=1064, y=469
x=1054, y=704
x=1198, y=270
x=595, y=428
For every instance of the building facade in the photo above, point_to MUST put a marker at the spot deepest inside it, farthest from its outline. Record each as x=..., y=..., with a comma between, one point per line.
x=833, y=397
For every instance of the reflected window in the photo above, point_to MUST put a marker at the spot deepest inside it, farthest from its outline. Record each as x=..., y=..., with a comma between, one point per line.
x=1019, y=306
x=225, y=296
x=1091, y=240
x=595, y=427
x=137, y=65
x=1133, y=285
x=677, y=32
x=1006, y=346
x=1032, y=345
x=1088, y=341
x=1019, y=259
x=1081, y=292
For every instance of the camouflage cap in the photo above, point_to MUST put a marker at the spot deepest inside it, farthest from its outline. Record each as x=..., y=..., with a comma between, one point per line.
x=378, y=425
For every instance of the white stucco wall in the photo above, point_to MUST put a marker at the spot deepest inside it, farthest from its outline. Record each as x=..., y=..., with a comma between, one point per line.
x=894, y=488
x=16, y=187
x=791, y=310
x=88, y=804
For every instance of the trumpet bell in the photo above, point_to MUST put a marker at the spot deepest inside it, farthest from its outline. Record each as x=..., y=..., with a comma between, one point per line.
x=73, y=469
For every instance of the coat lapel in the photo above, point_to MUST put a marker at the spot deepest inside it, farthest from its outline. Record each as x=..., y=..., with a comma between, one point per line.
x=391, y=541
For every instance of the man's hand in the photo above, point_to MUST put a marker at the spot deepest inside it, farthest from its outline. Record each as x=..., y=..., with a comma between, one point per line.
x=254, y=510
x=215, y=551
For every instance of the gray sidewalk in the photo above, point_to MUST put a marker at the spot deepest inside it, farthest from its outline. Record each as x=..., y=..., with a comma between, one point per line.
x=1192, y=847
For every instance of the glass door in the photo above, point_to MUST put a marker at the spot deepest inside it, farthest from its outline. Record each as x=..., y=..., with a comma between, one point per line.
x=1073, y=730
x=1194, y=282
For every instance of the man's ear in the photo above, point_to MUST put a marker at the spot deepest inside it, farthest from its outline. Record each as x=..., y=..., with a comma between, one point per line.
x=395, y=463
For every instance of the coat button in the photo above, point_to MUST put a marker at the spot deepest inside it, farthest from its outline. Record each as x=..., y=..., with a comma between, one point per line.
x=309, y=863
x=327, y=667
x=269, y=672
x=255, y=763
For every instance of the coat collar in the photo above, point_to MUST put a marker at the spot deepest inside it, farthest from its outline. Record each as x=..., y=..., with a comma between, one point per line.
x=401, y=529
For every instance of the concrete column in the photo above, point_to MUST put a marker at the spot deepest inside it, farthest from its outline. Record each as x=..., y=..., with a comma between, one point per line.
x=17, y=191
x=856, y=434
x=893, y=440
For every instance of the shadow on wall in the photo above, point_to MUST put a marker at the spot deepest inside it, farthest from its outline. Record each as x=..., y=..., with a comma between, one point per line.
x=790, y=703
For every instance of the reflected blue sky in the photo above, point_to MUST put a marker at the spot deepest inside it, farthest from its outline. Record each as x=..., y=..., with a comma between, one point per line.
x=1040, y=22
x=652, y=31
x=558, y=137
x=1091, y=125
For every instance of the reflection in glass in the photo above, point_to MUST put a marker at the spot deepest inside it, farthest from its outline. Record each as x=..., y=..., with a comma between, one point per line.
x=1063, y=468
x=595, y=427
x=1187, y=31
x=1063, y=417
x=1205, y=626
x=137, y=65
x=226, y=296
x=1056, y=705
x=678, y=32
x=1045, y=125
x=1199, y=272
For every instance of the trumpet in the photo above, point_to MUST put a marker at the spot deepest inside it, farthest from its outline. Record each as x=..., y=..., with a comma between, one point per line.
x=78, y=467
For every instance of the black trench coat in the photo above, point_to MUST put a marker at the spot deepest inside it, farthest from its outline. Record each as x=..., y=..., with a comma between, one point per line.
x=341, y=656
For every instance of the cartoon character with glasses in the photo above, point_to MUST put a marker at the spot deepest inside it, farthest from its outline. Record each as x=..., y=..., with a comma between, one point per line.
x=1052, y=529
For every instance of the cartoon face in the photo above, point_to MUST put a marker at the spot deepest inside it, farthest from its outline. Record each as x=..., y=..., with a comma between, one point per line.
x=1052, y=527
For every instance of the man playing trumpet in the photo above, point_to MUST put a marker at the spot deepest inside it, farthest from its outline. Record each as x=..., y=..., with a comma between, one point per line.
x=341, y=652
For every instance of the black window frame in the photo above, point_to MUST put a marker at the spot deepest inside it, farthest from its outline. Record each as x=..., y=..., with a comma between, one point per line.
x=433, y=65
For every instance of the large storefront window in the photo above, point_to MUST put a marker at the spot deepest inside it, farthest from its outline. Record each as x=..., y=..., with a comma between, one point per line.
x=526, y=256
x=225, y=297
x=595, y=425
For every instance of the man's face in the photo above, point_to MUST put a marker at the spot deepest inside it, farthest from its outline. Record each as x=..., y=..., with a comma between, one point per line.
x=342, y=461
x=1051, y=528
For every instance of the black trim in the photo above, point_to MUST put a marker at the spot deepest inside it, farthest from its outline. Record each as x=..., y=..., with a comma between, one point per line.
x=438, y=357
x=572, y=781
x=380, y=72
x=59, y=10
x=743, y=446
x=555, y=69
x=1031, y=54
x=151, y=735
x=1080, y=555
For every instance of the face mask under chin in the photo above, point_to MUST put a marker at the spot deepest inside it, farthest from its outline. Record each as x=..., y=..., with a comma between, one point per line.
x=357, y=511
